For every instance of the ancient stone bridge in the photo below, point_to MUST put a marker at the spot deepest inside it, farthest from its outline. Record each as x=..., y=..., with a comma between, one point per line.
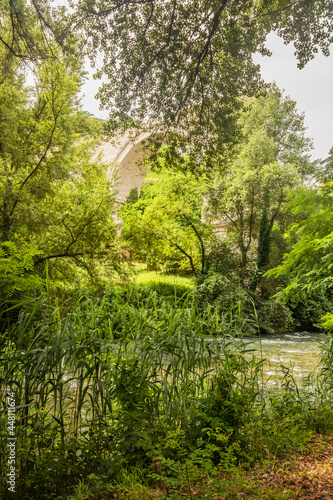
x=125, y=153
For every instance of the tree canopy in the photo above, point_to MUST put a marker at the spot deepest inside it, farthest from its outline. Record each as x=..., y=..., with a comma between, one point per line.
x=309, y=263
x=164, y=226
x=30, y=30
x=188, y=61
x=184, y=62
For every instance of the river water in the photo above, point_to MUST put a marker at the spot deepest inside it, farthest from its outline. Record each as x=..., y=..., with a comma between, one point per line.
x=299, y=351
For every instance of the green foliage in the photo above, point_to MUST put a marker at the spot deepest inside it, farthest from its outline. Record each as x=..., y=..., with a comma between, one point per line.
x=164, y=226
x=274, y=317
x=189, y=61
x=325, y=170
x=327, y=353
x=220, y=291
x=161, y=294
x=143, y=46
x=92, y=398
x=16, y=271
x=222, y=258
x=54, y=197
x=166, y=399
x=111, y=125
x=264, y=240
x=18, y=281
x=162, y=36
x=249, y=192
x=30, y=31
x=133, y=197
x=328, y=321
x=307, y=266
x=234, y=387
x=153, y=377
x=310, y=309
x=151, y=278
x=85, y=124
x=270, y=316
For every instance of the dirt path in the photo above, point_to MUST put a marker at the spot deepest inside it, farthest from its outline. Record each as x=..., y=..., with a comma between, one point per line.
x=306, y=476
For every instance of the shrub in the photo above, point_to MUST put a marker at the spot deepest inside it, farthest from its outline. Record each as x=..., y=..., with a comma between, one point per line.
x=308, y=311
x=224, y=293
x=274, y=317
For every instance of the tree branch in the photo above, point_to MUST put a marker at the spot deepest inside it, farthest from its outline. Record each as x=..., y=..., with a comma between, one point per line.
x=188, y=256
x=36, y=167
x=198, y=235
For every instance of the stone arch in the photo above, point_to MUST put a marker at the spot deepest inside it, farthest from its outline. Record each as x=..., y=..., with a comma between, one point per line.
x=125, y=154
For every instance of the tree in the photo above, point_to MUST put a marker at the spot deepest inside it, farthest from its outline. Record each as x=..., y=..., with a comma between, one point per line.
x=54, y=200
x=174, y=59
x=250, y=192
x=309, y=263
x=184, y=62
x=30, y=30
x=306, y=270
x=324, y=172
x=164, y=226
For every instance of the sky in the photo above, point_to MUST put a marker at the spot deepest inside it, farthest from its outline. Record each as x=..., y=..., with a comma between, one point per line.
x=311, y=87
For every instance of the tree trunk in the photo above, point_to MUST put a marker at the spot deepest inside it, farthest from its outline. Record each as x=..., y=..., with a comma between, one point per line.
x=6, y=223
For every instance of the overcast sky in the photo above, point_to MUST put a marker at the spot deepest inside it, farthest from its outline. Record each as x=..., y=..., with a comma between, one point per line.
x=311, y=88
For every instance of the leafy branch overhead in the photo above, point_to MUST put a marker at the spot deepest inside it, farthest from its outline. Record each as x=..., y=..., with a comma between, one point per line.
x=181, y=61
x=190, y=60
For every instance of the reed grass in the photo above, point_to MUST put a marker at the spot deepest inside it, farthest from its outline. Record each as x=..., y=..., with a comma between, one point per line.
x=118, y=383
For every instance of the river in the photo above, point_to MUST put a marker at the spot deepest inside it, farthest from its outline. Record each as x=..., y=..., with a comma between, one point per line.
x=300, y=350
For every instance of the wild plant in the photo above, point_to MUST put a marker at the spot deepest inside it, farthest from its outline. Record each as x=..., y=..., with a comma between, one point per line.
x=57, y=372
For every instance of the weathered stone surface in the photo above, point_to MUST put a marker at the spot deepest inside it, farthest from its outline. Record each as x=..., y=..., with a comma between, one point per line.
x=125, y=154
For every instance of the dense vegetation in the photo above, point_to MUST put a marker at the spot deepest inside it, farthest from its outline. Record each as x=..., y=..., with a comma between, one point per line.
x=128, y=383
